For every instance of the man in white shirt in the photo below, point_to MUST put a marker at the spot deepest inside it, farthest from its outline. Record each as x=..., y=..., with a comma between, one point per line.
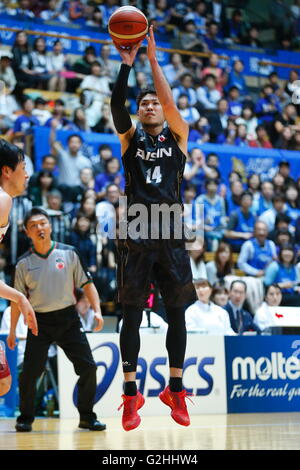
x=71, y=161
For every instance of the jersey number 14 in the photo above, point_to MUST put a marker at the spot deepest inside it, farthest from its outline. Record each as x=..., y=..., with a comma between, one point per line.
x=154, y=175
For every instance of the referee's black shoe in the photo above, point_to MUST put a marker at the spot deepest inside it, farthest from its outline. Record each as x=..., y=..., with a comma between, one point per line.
x=93, y=425
x=23, y=427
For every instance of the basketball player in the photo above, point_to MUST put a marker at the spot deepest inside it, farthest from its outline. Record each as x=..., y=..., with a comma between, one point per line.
x=154, y=158
x=13, y=179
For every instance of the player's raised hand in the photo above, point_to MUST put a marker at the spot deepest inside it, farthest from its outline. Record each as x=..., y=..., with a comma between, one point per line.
x=29, y=315
x=151, y=49
x=128, y=55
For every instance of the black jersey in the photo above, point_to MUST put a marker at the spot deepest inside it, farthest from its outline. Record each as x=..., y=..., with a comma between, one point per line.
x=154, y=168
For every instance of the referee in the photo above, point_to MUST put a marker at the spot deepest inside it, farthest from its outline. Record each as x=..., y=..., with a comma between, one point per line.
x=48, y=274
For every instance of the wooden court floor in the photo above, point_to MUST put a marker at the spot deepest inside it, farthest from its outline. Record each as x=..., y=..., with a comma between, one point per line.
x=263, y=431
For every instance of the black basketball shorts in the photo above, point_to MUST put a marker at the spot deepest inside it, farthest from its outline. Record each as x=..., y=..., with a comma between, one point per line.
x=167, y=264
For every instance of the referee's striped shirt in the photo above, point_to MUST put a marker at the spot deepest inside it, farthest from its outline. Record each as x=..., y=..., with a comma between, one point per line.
x=49, y=280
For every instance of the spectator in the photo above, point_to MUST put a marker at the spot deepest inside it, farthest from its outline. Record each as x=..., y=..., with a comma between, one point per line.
x=236, y=27
x=218, y=120
x=199, y=132
x=230, y=134
x=57, y=62
x=98, y=161
x=265, y=200
x=76, y=12
x=278, y=208
x=80, y=120
x=111, y=174
x=52, y=13
x=80, y=238
x=286, y=119
x=284, y=169
x=252, y=38
x=162, y=16
x=253, y=185
x=7, y=74
x=84, y=64
x=268, y=105
x=70, y=161
x=188, y=112
x=241, y=223
x=213, y=69
x=197, y=263
x=198, y=16
x=84, y=310
x=48, y=163
x=241, y=139
x=286, y=274
x=59, y=116
x=285, y=140
x=220, y=295
x=214, y=214
x=189, y=206
x=204, y=315
x=23, y=10
x=26, y=120
x=207, y=94
x=88, y=208
x=216, y=11
x=290, y=86
x=295, y=142
x=142, y=64
x=236, y=78
x=212, y=36
x=283, y=237
x=109, y=67
x=278, y=183
x=235, y=106
x=60, y=221
x=233, y=199
x=40, y=111
x=95, y=85
x=258, y=252
x=282, y=222
x=22, y=63
x=292, y=202
x=107, y=9
x=186, y=87
x=174, y=69
x=240, y=319
x=38, y=193
x=221, y=266
x=274, y=82
x=264, y=315
x=40, y=63
x=106, y=211
x=190, y=39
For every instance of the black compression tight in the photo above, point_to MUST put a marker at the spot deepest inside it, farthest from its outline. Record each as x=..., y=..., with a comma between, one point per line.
x=130, y=337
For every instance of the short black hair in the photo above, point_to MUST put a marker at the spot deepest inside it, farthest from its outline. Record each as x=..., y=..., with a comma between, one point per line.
x=146, y=91
x=10, y=155
x=74, y=135
x=240, y=281
x=34, y=211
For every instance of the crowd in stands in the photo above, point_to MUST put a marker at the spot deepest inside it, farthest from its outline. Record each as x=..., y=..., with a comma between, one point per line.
x=251, y=225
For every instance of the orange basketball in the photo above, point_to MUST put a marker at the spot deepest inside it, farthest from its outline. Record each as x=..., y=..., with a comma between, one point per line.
x=127, y=26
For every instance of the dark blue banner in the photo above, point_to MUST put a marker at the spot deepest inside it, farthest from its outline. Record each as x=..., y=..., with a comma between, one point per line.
x=262, y=373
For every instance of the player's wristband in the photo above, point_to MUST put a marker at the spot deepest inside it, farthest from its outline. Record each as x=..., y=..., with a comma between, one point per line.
x=121, y=117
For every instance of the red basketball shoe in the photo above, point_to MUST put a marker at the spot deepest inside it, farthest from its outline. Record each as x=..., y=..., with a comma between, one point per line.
x=176, y=401
x=130, y=418
x=4, y=367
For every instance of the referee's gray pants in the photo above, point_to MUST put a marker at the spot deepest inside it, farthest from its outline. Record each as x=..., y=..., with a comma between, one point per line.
x=64, y=328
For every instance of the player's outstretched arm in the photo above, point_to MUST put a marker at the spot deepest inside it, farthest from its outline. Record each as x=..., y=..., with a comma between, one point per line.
x=176, y=123
x=22, y=303
x=121, y=117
